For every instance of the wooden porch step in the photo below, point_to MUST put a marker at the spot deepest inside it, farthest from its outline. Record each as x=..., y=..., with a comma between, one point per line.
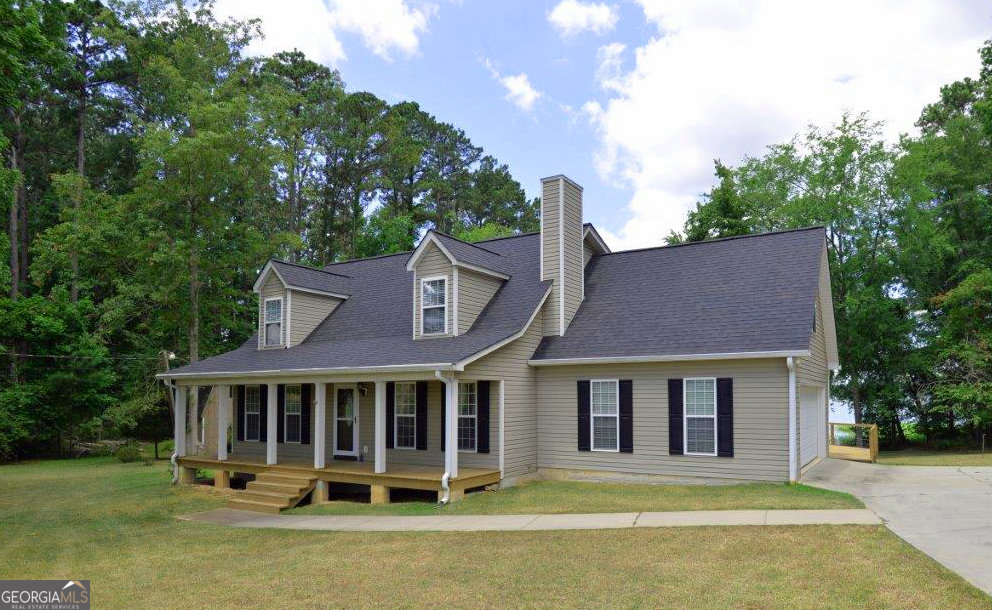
x=255, y=505
x=257, y=485
x=268, y=496
x=284, y=478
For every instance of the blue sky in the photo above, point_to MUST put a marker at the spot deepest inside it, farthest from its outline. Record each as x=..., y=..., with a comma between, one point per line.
x=634, y=100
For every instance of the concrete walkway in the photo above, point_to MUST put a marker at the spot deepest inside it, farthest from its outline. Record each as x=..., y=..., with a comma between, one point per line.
x=945, y=511
x=488, y=523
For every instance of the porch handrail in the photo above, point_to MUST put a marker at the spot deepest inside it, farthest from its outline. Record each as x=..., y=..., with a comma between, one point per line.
x=858, y=451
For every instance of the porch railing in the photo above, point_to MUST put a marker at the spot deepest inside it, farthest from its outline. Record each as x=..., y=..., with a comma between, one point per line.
x=858, y=442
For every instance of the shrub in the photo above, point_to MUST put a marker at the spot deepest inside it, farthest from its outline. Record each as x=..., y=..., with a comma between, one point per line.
x=129, y=453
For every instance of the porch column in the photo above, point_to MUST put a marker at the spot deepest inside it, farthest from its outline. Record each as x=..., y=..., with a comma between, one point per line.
x=193, y=410
x=380, y=427
x=451, y=427
x=502, y=421
x=319, y=424
x=272, y=423
x=223, y=408
x=179, y=422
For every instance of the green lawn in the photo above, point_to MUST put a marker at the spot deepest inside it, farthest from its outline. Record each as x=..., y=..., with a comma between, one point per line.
x=575, y=497
x=113, y=524
x=928, y=457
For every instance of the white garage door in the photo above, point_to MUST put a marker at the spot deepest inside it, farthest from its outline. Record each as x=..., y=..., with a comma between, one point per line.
x=810, y=424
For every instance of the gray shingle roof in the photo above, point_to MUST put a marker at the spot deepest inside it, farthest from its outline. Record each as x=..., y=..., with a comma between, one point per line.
x=747, y=294
x=374, y=327
x=474, y=254
x=300, y=276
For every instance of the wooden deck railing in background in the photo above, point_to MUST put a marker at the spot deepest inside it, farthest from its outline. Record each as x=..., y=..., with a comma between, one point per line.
x=858, y=442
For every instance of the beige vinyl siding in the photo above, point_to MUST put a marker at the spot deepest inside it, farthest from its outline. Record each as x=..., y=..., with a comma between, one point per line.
x=587, y=253
x=509, y=363
x=474, y=292
x=574, y=264
x=289, y=452
x=761, y=395
x=273, y=287
x=307, y=310
x=550, y=200
x=812, y=371
x=432, y=263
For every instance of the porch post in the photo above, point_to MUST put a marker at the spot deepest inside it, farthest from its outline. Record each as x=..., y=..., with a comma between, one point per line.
x=451, y=428
x=192, y=410
x=180, y=421
x=502, y=421
x=319, y=424
x=272, y=431
x=380, y=427
x=223, y=406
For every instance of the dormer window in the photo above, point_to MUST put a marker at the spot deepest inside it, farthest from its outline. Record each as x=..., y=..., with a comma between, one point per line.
x=273, y=321
x=434, y=305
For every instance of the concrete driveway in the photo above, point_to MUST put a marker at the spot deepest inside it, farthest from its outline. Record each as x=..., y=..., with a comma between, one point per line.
x=945, y=511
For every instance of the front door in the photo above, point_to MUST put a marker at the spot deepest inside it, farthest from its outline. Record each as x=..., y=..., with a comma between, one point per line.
x=346, y=420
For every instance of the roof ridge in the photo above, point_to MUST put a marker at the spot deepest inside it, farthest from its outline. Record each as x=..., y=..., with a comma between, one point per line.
x=467, y=243
x=719, y=239
x=367, y=258
x=505, y=237
x=302, y=266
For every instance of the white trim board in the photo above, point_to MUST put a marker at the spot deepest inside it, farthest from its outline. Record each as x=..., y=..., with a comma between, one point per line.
x=666, y=358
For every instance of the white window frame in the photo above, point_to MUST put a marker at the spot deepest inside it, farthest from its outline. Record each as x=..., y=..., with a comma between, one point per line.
x=423, y=319
x=397, y=416
x=459, y=417
x=258, y=405
x=685, y=417
x=265, y=321
x=286, y=414
x=593, y=416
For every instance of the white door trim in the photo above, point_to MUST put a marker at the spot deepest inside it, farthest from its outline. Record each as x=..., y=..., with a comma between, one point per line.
x=354, y=428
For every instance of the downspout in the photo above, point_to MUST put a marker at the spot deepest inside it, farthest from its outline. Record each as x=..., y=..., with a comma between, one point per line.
x=790, y=362
x=175, y=452
x=447, y=475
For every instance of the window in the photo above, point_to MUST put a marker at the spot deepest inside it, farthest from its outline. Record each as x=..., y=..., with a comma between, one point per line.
x=405, y=420
x=294, y=410
x=468, y=401
x=273, y=321
x=605, y=422
x=433, y=306
x=700, y=416
x=253, y=414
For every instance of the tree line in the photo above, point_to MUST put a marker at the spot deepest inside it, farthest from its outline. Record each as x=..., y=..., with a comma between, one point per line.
x=909, y=238
x=152, y=166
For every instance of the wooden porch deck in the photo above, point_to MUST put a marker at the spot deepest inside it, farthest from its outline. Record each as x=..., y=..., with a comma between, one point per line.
x=402, y=476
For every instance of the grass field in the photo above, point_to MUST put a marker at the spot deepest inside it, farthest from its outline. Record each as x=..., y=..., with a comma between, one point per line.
x=926, y=457
x=576, y=497
x=113, y=524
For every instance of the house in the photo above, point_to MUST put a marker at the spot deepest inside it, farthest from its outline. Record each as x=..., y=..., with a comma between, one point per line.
x=461, y=365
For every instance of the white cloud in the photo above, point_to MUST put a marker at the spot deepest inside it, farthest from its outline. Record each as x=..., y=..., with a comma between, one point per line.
x=519, y=91
x=723, y=80
x=386, y=27
x=571, y=17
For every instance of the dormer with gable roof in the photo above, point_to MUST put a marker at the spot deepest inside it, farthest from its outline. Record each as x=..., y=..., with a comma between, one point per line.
x=453, y=281
x=293, y=300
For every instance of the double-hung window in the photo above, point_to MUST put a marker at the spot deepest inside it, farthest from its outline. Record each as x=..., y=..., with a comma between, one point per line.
x=468, y=403
x=253, y=413
x=294, y=413
x=434, y=306
x=605, y=403
x=405, y=401
x=700, y=416
x=273, y=321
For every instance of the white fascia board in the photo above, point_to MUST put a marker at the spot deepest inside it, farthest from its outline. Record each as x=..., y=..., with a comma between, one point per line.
x=482, y=270
x=342, y=370
x=430, y=238
x=257, y=286
x=591, y=231
x=461, y=364
x=668, y=358
x=325, y=293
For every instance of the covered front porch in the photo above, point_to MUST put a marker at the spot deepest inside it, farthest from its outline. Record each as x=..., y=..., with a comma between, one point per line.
x=301, y=433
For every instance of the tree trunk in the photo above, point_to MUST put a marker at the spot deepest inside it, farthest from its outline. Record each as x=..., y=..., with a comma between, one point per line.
x=856, y=406
x=15, y=206
x=80, y=169
x=194, y=299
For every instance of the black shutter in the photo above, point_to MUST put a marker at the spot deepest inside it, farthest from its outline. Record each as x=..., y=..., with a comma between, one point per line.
x=281, y=413
x=675, y=422
x=626, y=416
x=390, y=413
x=582, y=387
x=482, y=417
x=241, y=412
x=305, y=398
x=444, y=413
x=421, y=434
x=263, y=413
x=725, y=417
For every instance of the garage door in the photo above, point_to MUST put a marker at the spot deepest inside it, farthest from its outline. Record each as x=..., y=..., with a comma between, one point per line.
x=810, y=427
